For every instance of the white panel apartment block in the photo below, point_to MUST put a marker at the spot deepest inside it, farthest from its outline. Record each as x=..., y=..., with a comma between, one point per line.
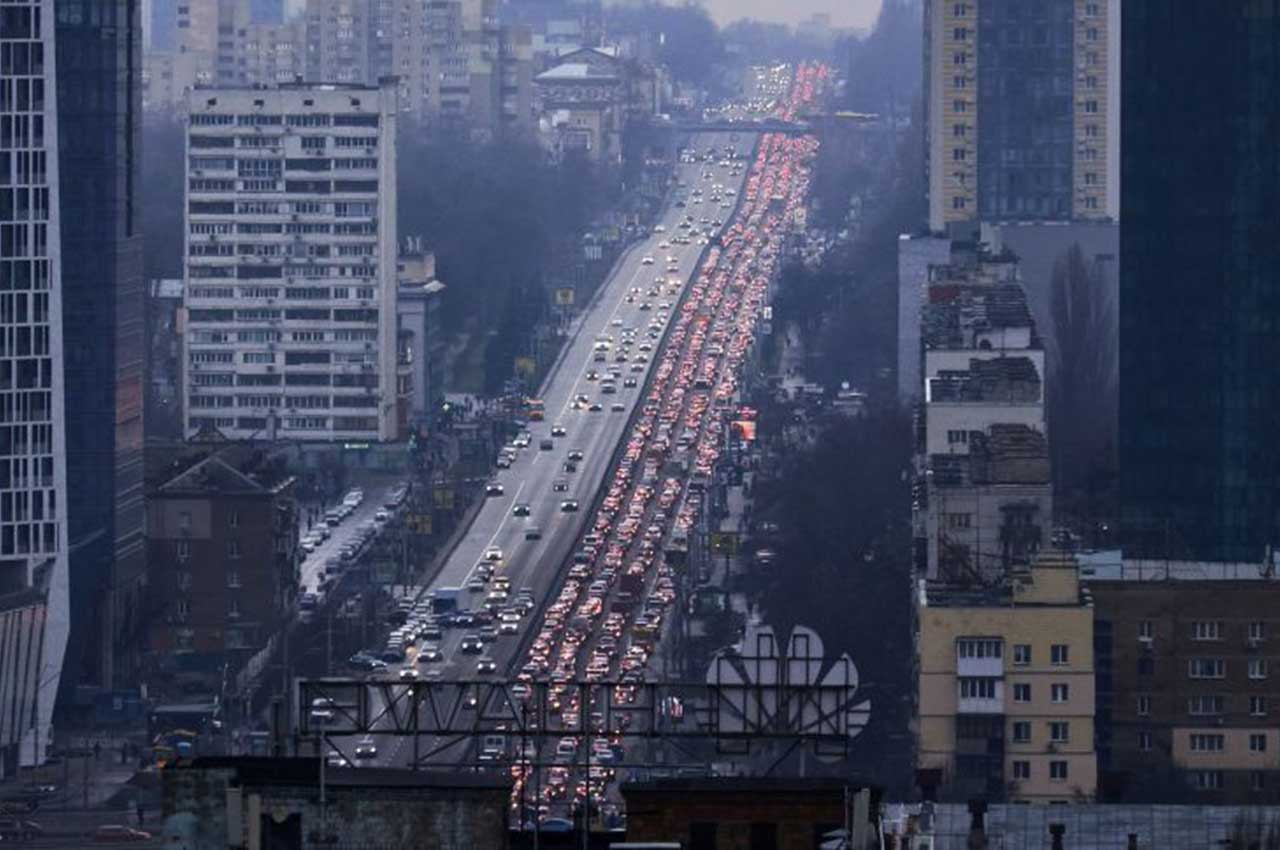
x=34, y=616
x=291, y=263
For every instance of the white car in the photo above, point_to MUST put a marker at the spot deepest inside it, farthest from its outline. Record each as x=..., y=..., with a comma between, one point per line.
x=367, y=749
x=647, y=261
x=493, y=553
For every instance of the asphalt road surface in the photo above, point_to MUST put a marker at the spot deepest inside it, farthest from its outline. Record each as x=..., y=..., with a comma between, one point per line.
x=536, y=564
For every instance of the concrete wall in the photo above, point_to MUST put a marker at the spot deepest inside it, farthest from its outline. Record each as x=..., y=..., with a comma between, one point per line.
x=915, y=255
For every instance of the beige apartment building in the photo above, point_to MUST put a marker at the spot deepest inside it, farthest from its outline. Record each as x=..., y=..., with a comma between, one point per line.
x=1018, y=101
x=1006, y=687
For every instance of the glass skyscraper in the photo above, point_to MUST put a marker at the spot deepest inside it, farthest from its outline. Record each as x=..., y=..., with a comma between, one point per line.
x=99, y=44
x=1200, y=278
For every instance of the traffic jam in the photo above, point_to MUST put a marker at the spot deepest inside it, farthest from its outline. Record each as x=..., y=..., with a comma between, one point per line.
x=607, y=618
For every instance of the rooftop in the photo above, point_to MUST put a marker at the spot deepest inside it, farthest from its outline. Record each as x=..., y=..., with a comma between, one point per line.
x=1004, y=454
x=306, y=771
x=1010, y=380
x=956, y=314
x=1111, y=565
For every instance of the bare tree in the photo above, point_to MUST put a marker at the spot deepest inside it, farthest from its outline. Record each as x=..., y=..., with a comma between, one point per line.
x=1082, y=390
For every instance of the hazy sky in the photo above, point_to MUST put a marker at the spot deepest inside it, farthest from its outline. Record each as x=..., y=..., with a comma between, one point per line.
x=844, y=13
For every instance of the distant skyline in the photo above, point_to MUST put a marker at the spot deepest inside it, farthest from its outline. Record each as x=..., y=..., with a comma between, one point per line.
x=844, y=13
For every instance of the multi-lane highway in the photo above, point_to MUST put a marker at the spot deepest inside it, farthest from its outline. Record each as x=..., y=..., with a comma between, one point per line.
x=636, y=302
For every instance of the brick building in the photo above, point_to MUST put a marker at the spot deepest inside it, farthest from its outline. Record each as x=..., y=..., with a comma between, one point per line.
x=223, y=555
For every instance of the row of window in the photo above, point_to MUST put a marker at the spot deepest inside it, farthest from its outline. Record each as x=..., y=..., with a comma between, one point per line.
x=259, y=119
x=1059, y=731
x=1059, y=653
x=1216, y=742
x=1059, y=770
x=1206, y=705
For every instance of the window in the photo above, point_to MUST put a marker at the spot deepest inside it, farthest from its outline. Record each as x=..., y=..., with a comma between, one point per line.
x=957, y=436
x=959, y=521
x=960, y=33
x=1257, y=706
x=1060, y=654
x=1205, y=705
x=1144, y=705
x=184, y=517
x=1258, y=743
x=184, y=607
x=233, y=578
x=233, y=548
x=184, y=549
x=958, y=202
x=1257, y=781
x=1022, y=692
x=1022, y=770
x=1257, y=631
x=1144, y=742
x=1146, y=666
x=1206, y=780
x=233, y=519
x=233, y=608
x=1206, y=668
x=958, y=154
x=1204, y=743
x=1257, y=668
x=977, y=648
x=977, y=688
x=1058, y=771
x=1059, y=692
x=1022, y=731
x=1206, y=630
x=960, y=106
x=1022, y=654
x=1059, y=732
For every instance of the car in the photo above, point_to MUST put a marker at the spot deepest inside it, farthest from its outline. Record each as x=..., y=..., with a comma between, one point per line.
x=493, y=554
x=647, y=261
x=503, y=461
x=119, y=834
x=430, y=654
x=629, y=383
x=486, y=666
x=575, y=454
x=560, y=485
x=595, y=407
x=617, y=407
x=546, y=445
x=381, y=515
x=336, y=759
x=523, y=440
x=558, y=431
x=472, y=644
x=366, y=749
x=476, y=585
x=507, y=627
x=521, y=509
x=494, y=488
x=533, y=532
x=408, y=674
x=569, y=506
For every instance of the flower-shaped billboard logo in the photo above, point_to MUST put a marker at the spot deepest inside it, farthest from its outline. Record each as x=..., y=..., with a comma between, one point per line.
x=761, y=691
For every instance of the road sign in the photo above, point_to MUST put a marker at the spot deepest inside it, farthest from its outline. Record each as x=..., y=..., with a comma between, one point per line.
x=564, y=296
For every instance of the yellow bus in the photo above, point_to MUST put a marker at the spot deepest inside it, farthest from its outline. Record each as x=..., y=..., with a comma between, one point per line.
x=537, y=409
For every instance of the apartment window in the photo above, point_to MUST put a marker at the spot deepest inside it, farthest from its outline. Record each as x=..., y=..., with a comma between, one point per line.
x=959, y=82
x=960, y=106
x=1060, y=654
x=233, y=548
x=1206, y=780
x=978, y=648
x=233, y=578
x=1092, y=10
x=958, y=202
x=1206, y=668
x=977, y=688
x=1144, y=705
x=184, y=549
x=1022, y=692
x=1204, y=743
x=960, y=10
x=184, y=607
x=233, y=519
x=1022, y=654
x=233, y=608
x=1202, y=705
x=1206, y=630
x=1058, y=771
x=960, y=33
x=1092, y=34
x=1257, y=781
x=1146, y=629
x=1257, y=631
x=1022, y=731
x=1022, y=770
x=1257, y=706
x=1059, y=732
x=957, y=436
x=1257, y=668
x=1091, y=107
x=1059, y=692
x=1258, y=743
x=1144, y=742
x=961, y=58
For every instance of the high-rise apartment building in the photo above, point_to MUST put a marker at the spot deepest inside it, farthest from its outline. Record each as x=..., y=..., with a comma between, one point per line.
x=34, y=600
x=291, y=263
x=1017, y=110
x=99, y=45
x=1200, y=279
x=1006, y=687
